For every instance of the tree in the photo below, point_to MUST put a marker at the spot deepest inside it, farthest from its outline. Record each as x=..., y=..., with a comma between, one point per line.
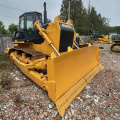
x=64, y=10
x=85, y=21
x=2, y=28
x=97, y=22
x=49, y=20
x=77, y=13
x=8, y=32
x=117, y=29
x=12, y=28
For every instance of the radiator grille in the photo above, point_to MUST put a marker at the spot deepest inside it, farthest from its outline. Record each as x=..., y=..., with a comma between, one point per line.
x=66, y=38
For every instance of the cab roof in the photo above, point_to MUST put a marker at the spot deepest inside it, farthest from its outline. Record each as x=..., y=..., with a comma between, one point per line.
x=32, y=12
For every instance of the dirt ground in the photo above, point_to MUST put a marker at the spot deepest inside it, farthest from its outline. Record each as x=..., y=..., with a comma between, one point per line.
x=20, y=98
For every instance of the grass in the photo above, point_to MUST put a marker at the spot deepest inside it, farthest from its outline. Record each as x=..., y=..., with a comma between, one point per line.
x=102, y=54
x=1, y=55
x=6, y=66
x=4, y=63
x=108, y=70
x=0, y=80
x=111, y=52
x=18, y=100
x=5, y=80
x=1, y=101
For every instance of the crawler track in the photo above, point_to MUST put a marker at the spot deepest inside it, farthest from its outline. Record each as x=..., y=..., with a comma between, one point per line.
x=29, y=51
x=115, y=48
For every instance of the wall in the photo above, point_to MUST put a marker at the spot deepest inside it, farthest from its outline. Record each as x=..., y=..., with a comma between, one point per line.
x=4, y=41
x=85, y=39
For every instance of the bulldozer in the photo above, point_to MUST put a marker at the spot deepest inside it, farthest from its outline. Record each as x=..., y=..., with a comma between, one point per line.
x=80, y=43
x=116, y=46
x=97, y=38
x=44, y=53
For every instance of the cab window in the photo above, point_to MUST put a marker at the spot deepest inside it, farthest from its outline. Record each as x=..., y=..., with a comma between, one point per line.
x=39, y=18
x=22, y=22
x=30, y=22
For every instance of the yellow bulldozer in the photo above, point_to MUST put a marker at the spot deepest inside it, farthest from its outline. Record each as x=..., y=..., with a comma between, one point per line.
x=97, y=38
x=116, y=44
x=44, y=53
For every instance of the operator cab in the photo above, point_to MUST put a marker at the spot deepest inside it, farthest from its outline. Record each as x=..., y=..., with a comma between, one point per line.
x=116, y=38
x=27, y=32
x=96, y=34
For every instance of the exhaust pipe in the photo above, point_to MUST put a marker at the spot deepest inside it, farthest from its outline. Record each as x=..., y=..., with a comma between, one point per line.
x=45, y=13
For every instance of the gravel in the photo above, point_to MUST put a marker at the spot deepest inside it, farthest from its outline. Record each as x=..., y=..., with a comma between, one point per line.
x=100, y=99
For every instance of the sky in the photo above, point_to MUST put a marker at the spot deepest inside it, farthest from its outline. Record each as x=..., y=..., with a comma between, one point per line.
x=108, y=8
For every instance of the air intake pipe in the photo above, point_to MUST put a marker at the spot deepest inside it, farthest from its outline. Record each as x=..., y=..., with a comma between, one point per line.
x=45, y=13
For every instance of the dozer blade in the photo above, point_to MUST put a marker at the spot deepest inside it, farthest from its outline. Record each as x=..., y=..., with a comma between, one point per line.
x=66, y=75
x=69, y=73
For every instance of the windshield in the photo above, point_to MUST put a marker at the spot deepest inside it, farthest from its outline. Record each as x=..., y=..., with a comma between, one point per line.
x=39, y=18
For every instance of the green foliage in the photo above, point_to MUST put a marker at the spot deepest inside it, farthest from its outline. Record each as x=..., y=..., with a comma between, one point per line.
x=3, y=31
x=49, y=20
x=1, y=55
x=12, y=28
x=4, y=63
x=85, y=21
x=2, y=28
x=8, y=32
x=117, y=29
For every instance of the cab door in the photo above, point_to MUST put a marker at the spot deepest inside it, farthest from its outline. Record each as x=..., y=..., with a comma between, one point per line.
x=30, y=34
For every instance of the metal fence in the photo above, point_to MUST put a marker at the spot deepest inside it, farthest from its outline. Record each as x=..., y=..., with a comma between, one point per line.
x=85, y=39
x=4, y=41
